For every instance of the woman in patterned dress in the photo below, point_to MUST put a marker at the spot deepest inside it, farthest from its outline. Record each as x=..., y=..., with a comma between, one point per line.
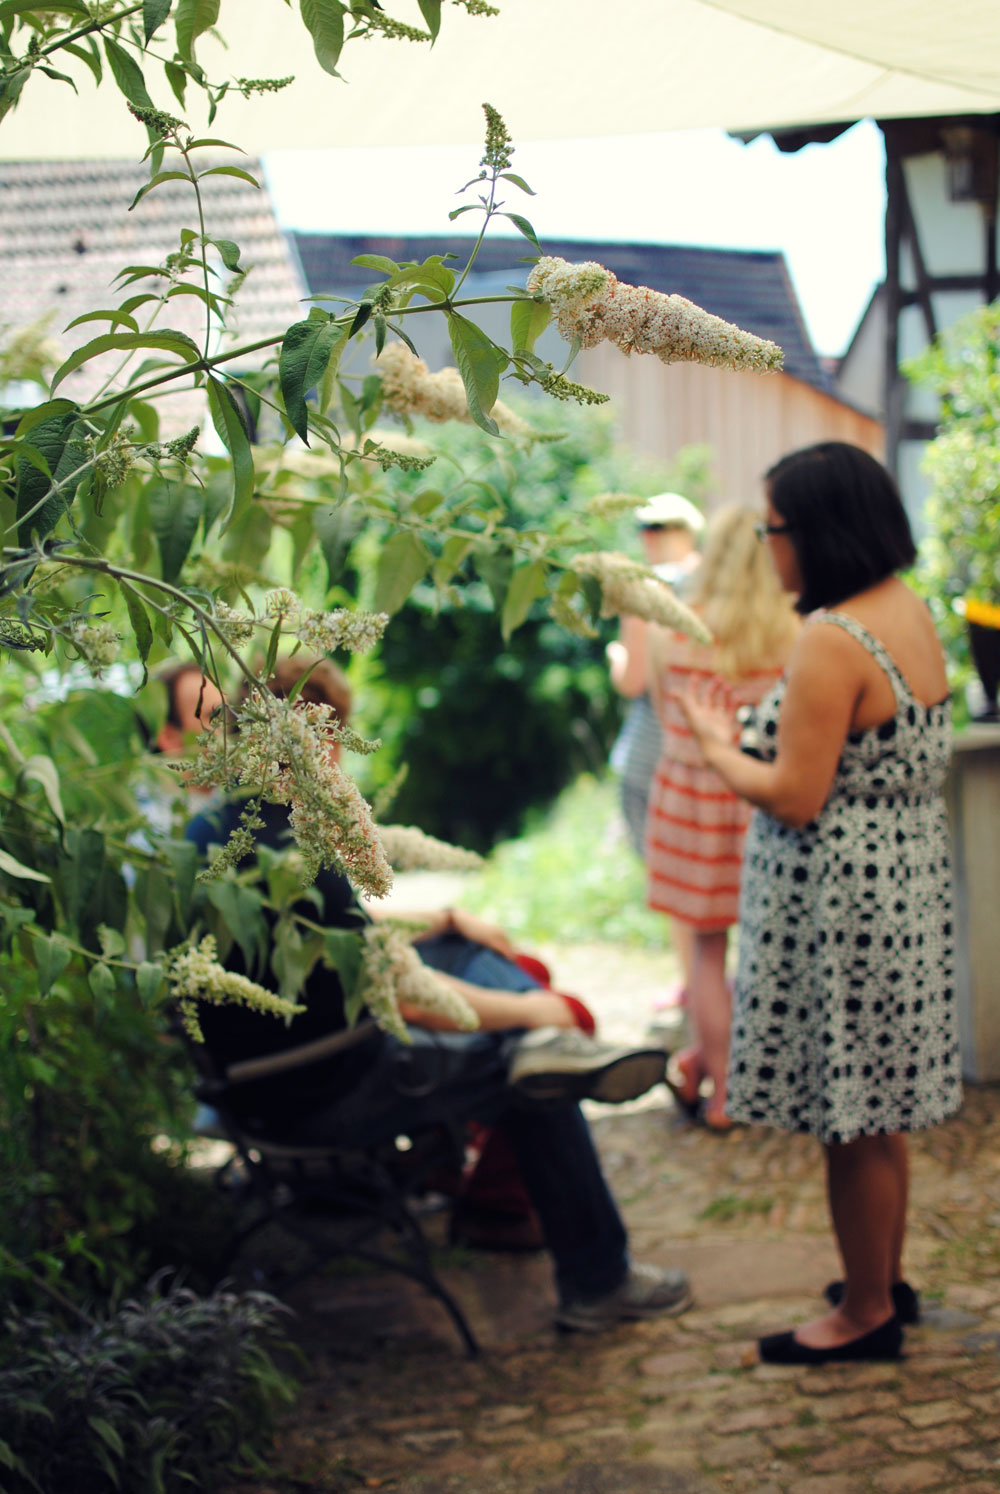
x=695, y=824
x=844, y=1023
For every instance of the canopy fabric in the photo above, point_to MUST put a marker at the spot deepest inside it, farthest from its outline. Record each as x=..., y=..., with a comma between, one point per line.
x=558, y=69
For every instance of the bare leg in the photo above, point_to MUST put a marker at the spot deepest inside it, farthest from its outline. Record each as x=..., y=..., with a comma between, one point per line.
x=682, y=938
x=710, y=1010
x=899, y=1239
x=866, y=1185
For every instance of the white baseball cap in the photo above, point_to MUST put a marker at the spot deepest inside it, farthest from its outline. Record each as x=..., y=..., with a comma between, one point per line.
x=670, y=511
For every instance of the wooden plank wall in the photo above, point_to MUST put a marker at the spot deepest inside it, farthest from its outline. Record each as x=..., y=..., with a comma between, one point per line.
x=749, y=420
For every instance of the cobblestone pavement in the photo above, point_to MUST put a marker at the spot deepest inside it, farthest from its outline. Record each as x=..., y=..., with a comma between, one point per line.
x=678, y=1406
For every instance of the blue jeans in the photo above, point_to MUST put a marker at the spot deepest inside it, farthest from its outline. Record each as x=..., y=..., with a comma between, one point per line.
x=445, y=1078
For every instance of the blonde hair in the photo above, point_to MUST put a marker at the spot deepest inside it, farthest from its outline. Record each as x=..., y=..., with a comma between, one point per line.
x=738, y=596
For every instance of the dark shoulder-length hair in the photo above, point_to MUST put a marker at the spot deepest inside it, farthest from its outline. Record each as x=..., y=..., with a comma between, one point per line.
x=845, y=519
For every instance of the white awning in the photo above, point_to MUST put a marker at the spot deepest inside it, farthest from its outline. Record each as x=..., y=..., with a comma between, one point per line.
x=559, y=69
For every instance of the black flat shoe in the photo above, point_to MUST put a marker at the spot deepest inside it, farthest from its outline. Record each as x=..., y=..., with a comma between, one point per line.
x=883, y=1342
x=904, y=1299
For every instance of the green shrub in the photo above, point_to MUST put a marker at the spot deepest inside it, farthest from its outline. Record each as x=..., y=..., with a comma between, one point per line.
x=155, y=1397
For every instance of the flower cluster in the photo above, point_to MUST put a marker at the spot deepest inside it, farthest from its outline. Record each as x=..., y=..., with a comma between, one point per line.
x=235, y=627
x=194, y=974
x=155, y=119
x=592, y=305
x=392, y=974
x=612, y=505
x=325, y=631
x=629, y=587
x=283, y=751
x=97, y=644
x=114, y=463
x=409, y=849
x=559, y=387
x=247, y=86
x=391, y=456
x=499, y=146
x=16, y=636
x=409, y=388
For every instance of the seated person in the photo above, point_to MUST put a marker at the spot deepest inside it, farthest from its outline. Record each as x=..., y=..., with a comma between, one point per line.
x=382, y=1087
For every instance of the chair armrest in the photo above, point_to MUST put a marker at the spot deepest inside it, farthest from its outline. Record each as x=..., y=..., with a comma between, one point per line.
x=297, y=1058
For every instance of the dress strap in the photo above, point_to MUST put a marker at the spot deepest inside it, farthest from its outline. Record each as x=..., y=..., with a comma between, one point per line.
x=878, y=651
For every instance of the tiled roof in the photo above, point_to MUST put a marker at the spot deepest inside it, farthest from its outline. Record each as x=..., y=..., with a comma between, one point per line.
x=749, y=287
x=65, y=232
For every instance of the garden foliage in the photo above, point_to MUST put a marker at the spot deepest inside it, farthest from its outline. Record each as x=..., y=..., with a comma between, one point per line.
x=125, y=543
x=960, y=554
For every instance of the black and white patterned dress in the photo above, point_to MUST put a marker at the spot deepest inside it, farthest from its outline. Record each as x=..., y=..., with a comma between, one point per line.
x=844, y=1017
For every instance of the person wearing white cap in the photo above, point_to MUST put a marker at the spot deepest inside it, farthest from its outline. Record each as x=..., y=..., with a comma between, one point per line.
x=669, y=525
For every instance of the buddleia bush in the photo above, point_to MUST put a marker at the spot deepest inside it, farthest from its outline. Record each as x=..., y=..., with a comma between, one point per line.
x=163, y=1394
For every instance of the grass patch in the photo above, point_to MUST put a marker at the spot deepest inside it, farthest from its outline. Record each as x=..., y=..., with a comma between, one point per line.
x=730, y=1206
x=571, y=876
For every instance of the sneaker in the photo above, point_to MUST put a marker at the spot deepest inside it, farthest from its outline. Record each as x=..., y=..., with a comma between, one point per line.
x=646, y=1292
x=555, y=1063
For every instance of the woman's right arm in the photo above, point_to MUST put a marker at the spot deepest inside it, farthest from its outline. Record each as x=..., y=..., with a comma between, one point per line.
x=823, y=686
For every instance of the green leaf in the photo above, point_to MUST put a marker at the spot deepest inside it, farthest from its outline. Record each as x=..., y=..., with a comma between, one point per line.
x=376, y=262
x=470, y=207
x=101, y=982
x=119, y=318
x=228, y=251
x=402, y=563
x=89, y=55
x=54, y=437
x=154, y=13
x=241, y=910
x=57, y=77
x=51, y=958
x=20, y=7
x=175, y=511
x=178, y=79
x=342, y=952
x=12, y=868
x=453, y=553
x=165, y=341
x=336, y=530
x=302, y=362
x=42, y=770
x=519, y=181
x=431, y=12
x=228, y=421
x=44, y=412
x=139, y=618
x=528, y=320
x=127, y=74
x=193, y=17
x=148, y=980
x=426, y=502
x=479, y=364
x=324, y=20
x=237, y=171
x=183, y=858
x=523, y=226
x=527, y=584
x=156, y=181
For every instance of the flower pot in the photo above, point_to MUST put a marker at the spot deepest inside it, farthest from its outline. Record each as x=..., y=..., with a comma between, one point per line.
x=983, y=620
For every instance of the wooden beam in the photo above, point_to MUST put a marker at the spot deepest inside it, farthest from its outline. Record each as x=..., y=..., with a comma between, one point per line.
x=892, y=382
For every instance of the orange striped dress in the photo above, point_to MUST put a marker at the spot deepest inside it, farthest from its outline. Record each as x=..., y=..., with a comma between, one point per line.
x=695, y=825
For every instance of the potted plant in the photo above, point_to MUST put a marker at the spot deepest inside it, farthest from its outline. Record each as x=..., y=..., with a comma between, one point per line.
x=961, y=553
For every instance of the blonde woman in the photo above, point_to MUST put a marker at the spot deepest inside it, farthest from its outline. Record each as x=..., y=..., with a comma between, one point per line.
x=696, y=824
